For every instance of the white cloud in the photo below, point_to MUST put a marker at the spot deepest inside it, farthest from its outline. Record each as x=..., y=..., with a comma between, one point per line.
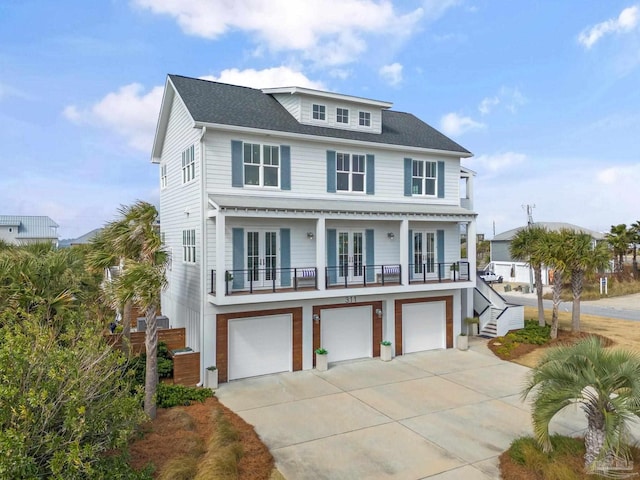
x=269, y=77
x=509, y=97
x=454, y=124
x=496, y=162
x=434, y=9
x=9, y=91
x=487, y=104
x=329, y=32
x=392, y=74
x=628, y=20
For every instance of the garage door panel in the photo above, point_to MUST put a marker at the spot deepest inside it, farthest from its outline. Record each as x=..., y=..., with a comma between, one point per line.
x=423, y=326
x=346, y=333
x=260, y=345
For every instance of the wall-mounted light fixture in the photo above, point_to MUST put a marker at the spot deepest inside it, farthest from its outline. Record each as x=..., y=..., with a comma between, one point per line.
x=316, y=317
x=310, y=235
x=379, y=312
x=391, y=235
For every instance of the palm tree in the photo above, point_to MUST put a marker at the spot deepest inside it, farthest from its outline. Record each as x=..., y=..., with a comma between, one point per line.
x=551, y=250
x=634, y=232
x=619, y=240
x=525, y=246
x=605, y=383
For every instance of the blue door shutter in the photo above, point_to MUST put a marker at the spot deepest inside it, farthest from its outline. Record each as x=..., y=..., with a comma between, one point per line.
x=371, y=175
x=370, y=259
x=331, y=171
x=440, y=179
x=237, y=237
x=408, y=174
x=237, y=178
x=411, y=260
x=285, y=167
x=285, y=257
x=440, y=248
x=332, y=259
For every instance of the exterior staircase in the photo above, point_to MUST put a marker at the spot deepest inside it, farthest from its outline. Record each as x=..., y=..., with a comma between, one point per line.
x=497, y=316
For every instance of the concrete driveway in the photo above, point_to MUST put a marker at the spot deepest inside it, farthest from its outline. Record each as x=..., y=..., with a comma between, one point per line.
x=440, y=415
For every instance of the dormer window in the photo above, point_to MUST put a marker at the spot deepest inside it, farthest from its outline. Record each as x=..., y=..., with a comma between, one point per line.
x=364, y=119
x=319, y=112
x=342, y=115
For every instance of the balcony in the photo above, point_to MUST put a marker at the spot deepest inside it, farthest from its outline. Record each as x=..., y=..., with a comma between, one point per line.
x=293, y=279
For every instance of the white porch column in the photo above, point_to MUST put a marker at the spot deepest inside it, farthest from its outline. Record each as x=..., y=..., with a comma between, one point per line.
x=404, y=250
x=220, y=254
x=321, y=248
x=471, y=248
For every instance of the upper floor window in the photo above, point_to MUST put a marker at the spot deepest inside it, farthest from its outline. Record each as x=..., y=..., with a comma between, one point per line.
x=342, y=115
x=319, y=112
x=188, y=165
x=350, y=172
x=163, y=175
x=261, y=165
x=364, y=119
x=424, y=177
x=189, y=246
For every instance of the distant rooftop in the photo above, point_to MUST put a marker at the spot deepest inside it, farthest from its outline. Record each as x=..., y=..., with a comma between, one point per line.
x=31, y=226
x=553, y=226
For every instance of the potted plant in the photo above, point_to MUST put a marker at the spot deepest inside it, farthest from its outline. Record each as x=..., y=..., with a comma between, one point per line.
x=228, y=276
x=211, y=379
x=321, y=360
x=453, y=269
x=472, y=323
x=463, y=341
x=385, y=350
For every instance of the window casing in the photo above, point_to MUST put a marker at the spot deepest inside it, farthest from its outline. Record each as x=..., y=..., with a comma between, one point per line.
x=189, y=246
x=364, y=119
x=350, y=172
x=261, y=165
x=188, y=165
x=318, y=112
x=424, y=178
x=342, y=115
x=163, y=176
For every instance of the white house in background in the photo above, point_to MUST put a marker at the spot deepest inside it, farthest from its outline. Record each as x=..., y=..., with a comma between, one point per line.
x=502, y=263
x=23, y=229
x=300, y=219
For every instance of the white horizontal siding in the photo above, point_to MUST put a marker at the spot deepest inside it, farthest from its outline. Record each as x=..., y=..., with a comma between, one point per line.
x=306, y=115
x=290, y=102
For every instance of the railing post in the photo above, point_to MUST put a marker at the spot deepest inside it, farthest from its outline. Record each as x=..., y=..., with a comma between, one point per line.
x=364, y=271
x=315, y=277
x=295, y=279
x=326, y=277
x=213, y=285
x=400, y=274
x=226, y=284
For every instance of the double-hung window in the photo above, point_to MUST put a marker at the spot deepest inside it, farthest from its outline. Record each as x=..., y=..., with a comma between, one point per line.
x=424, y=178
x=188, y=165
x=364, y=119
x=163, y=175
x=189, y=246
x=319, y=112
x=342, y=115
x=261, y=165
x=350, y=172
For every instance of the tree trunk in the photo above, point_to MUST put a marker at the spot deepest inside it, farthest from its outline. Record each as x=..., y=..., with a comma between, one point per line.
x=151, y=380
x=538, y=276
x=557, y=290
x=577, y=277
x=126, y=328
x=593, y=442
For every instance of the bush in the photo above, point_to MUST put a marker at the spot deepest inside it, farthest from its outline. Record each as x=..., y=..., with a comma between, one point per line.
x=532, y=333
x=165, y=364
x=178, y=395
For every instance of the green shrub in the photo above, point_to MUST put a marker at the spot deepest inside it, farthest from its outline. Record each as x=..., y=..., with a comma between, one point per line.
x=165, y=364
x=169, y=396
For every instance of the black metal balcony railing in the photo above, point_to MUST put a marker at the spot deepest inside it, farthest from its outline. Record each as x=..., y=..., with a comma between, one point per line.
x=341, y=276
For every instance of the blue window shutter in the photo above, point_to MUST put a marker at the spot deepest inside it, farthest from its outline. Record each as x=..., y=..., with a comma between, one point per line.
x=331, y=171
x=440, y=179
x=237, y=235
x=371, y=175
x=237, y=177
x=440, y=248
x=408, y=174
x=411, y=267
x=285, y=257
x=370, y=259
x=332, y=258
x=285, y=167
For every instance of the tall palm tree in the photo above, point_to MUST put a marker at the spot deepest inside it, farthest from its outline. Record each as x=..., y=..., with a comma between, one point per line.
x=525, y=246
x=634, y=231
x=619, y=240
x=604, y=382
x=551, y=251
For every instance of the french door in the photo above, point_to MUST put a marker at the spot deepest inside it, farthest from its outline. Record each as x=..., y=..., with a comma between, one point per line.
x=351, y=255
x=424, y=254
x=262, y=260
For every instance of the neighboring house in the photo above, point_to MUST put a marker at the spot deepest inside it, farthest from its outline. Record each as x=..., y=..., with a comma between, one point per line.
x=299, y=219
x=23, y=230
x=81, y=240
x=502, y=263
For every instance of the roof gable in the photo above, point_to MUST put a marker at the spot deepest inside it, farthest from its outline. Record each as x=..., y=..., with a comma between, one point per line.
x=553, y=226
x=31, y=226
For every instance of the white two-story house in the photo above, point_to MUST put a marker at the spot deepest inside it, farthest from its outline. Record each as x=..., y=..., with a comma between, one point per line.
x=299, y=219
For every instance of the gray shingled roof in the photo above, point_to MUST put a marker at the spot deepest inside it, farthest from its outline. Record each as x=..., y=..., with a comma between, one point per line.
x=213, y=102
x=554, y=226
x=31, y=226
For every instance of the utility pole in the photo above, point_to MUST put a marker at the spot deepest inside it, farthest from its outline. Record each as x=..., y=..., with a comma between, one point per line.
x=530, y=222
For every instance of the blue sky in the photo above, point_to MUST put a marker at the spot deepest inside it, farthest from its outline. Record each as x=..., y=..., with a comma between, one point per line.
x=546, y=94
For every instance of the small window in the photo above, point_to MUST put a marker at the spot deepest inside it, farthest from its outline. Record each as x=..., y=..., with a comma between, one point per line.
x=188, y=165
x=189, y=246
x=319, y=112
x=364, y=119
x=342, y=115
x=163, y=176
x=261, y=165
x=424, y=178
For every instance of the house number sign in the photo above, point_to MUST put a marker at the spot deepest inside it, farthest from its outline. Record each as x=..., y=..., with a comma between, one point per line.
x=349, y=299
